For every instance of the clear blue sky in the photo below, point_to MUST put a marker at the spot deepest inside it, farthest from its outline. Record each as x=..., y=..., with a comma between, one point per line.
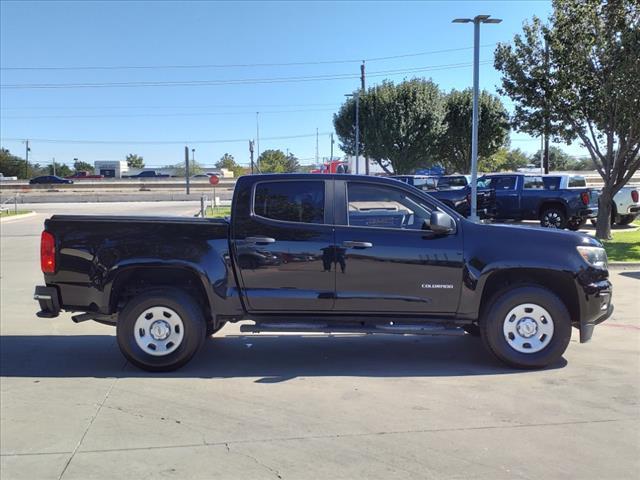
x=87, y=34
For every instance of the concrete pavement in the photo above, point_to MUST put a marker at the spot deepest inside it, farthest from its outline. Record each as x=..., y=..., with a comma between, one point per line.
x=304, y=406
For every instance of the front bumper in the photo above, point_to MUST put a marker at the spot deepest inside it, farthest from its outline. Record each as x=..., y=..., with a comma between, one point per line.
x=595, y=307
x=49, y=301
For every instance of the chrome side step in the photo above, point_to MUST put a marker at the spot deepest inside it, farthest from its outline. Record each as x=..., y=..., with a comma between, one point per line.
x=390, y=327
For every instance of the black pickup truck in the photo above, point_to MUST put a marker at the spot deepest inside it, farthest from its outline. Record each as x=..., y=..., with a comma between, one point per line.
x=558, y=201
x=324, y=253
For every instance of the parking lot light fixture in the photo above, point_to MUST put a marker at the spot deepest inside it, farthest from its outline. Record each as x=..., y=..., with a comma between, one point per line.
x=477, y=20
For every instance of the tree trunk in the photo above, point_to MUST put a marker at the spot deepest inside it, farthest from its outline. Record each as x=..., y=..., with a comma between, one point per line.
x=603, y=228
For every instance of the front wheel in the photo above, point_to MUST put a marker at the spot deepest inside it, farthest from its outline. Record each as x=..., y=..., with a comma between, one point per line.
x=553, y=217
x=160, y=330
x=526, y=327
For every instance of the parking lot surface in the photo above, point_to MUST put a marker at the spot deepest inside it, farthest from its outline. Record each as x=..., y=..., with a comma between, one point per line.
x=304, y=406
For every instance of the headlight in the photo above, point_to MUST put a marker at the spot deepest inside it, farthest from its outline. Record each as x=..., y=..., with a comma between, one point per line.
x=594, y=256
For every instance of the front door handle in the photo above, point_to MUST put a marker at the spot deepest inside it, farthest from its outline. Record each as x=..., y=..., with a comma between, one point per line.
x=352, y=244
x=260, y=240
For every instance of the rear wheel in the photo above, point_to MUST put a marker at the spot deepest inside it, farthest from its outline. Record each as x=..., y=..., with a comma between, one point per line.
x=625, y=219
x=576, y=223
x=160, y=330
x=526, y=327
x=553, y=217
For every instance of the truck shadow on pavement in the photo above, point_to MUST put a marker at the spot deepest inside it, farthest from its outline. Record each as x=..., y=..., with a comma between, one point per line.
x=271, y=358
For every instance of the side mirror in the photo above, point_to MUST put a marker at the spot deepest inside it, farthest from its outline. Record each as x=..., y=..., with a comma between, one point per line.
x=441, y=223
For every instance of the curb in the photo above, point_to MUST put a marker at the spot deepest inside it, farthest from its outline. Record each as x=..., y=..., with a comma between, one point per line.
x=623, y=265
x=18, y=217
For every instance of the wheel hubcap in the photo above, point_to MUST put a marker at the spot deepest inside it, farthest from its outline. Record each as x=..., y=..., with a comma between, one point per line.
x=553, y=220
x=528, y=328
x=159, y=331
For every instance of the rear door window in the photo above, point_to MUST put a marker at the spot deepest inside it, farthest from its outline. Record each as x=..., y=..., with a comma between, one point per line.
x=290, y=201
x=533, y=183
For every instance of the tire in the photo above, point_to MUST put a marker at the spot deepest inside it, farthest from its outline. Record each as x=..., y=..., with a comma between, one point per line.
x=212, y=331
x=625, y=219
x=553, y=217
x=522, y=341
x=160, y=330
x=576, y=223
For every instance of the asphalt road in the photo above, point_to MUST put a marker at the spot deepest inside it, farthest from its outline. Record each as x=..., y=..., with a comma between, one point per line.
x=304, y=406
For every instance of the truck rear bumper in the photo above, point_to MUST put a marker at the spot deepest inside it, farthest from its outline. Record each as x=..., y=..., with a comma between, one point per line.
x=589, y=212
x=595, y=307
x=49, y=301
x=634, y=209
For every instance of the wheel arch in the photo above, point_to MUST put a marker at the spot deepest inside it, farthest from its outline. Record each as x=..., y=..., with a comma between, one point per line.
x=545, y=205
x=133, y=280
x=560, y=283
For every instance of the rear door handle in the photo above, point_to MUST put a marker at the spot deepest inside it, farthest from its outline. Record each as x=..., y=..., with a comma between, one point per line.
x=260, y=240
x=352, y=244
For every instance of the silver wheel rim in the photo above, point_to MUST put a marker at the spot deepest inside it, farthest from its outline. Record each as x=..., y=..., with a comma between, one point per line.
x=552, y=220
x=158, y=331
x=528, y=328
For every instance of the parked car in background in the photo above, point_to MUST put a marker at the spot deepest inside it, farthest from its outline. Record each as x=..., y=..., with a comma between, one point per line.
x=407, y=265
x=207, y=175
x=84, y=175
x=49, y=180
x=625, y=207
x=148, y=174
x=558, y=201
x=453, y=182
x=6, y=179
x=458, y=198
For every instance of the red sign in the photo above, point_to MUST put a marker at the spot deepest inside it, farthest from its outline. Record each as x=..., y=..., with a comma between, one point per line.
x=214, y=180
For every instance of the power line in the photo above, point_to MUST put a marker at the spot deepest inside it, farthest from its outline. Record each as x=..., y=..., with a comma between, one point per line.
x=241, y=65
x=191, y=114
x=122, y=107
x=244, y=81
x=157, y=142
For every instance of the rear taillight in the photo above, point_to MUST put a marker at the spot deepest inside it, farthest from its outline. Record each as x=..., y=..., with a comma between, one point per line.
x=47, y=252
x=634, y=196
x=585, y=198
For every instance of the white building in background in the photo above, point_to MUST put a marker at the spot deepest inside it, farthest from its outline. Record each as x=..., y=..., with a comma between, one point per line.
x=111, y=168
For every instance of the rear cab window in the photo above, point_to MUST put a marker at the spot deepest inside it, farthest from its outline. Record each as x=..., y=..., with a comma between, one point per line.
x=577, y=182
x=290, y=201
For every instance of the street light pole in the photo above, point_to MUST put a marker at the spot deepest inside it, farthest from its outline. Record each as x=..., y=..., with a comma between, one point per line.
x=477, y=20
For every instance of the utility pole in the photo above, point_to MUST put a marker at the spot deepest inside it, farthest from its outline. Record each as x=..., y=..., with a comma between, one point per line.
x=251, y=154
x=356, y=95
x=186, y=163
x=546, y=109
x=26, y=161
x=477, y=20
x=258, y=140
x=362, y=87
x=331, y=157
x=316, y=146
x=53, y=163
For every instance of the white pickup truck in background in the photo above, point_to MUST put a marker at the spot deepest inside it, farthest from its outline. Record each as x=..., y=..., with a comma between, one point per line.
x=626, y=205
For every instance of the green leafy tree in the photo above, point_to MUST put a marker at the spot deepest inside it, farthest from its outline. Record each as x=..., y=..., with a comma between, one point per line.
x=80, y=166
x=399, y=124
x=276, y=161
x=558, y=159
x=504, y=160
x=135, y=161
x=11, y=165
x=454, y=143
x=229, y=163
x=61, y=170
x=592, y=85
